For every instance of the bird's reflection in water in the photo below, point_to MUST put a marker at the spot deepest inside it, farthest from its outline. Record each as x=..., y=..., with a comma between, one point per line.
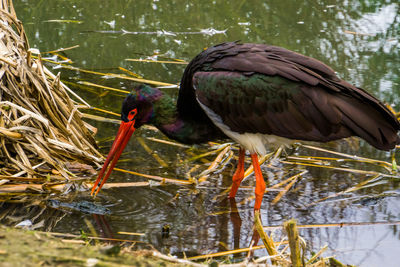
x=164, y=240
x=103, y=226
x=236, y=220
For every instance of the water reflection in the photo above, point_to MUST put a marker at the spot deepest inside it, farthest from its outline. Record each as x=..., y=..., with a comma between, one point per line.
x=316, y=28
x=358, y=39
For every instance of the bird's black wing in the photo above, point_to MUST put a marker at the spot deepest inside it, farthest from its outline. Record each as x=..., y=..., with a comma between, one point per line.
x=259, y=103
x=250, y=58
x=295, y=96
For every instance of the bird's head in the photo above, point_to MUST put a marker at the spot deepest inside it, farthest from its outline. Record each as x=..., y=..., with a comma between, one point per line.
x=137, y=109
x=140, y=99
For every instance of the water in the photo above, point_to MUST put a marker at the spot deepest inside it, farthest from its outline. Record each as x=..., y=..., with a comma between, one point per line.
x=360, y=40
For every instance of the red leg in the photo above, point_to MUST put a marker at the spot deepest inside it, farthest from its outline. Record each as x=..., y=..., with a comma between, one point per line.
x=260, y=183
x=239, y=174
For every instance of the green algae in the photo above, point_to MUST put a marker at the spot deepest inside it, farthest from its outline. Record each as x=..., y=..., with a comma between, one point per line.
x=20, y=247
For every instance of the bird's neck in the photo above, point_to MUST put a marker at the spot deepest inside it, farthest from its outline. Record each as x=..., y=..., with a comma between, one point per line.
x=182, y=129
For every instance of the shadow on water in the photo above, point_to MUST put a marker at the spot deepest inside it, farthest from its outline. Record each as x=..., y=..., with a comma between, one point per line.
x=359, y=40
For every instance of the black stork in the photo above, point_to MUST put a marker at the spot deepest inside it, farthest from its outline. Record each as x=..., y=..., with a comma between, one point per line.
x=256, y=94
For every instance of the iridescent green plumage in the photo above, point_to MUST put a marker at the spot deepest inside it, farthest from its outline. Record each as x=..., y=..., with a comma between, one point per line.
x=159, y=109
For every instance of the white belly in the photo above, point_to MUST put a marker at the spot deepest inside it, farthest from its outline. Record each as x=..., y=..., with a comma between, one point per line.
x=255, y=143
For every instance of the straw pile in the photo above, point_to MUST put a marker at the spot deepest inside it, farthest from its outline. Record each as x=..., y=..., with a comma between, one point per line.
x=40, y=125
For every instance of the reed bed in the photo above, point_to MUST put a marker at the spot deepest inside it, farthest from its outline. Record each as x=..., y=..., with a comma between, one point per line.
x=42, y=133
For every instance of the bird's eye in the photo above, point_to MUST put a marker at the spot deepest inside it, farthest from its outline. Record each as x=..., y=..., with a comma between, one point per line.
x=132, y=114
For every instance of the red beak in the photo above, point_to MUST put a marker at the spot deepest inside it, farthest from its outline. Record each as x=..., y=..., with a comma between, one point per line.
x=124, y=133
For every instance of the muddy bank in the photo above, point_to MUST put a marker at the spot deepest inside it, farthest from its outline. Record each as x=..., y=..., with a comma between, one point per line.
x=30, y=248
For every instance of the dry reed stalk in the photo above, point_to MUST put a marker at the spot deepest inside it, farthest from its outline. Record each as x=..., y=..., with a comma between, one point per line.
x=39, y=122
x=224, y=156
x=228, y=252
x=340, y=225
x=130, y=233
x=61, y=49
x=354, y=157
x=172, y=143
x=268, y=242
x=104, y=87
x=218, y=149
x=157, y=61
x=317, y=255
x=294, y=242
x=119, y=76
x=43, y=185
x=88, y=237
x=151, y=152
x=100, y=118
x=287, y=187
x=130, y=73
x=340, y=169
x=358, y=186
x=158, y=178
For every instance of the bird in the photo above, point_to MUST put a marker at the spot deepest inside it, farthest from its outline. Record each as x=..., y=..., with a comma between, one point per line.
x=257, y=95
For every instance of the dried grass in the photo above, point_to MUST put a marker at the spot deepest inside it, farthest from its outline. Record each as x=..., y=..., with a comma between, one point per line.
x=40, y=124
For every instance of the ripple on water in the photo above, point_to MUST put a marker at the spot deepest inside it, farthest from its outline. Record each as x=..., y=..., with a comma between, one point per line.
x=136, y=201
